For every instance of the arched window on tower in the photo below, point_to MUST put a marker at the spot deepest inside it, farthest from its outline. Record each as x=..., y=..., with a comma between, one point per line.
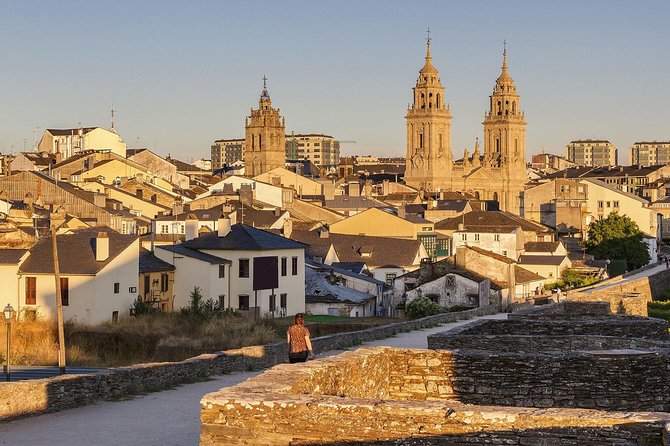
x=423, y=100
x=421, y=140
x=441, y=142
x=499, y=108
x=514, y=107
x=497, y=144
x=253, y=142
x=495, y=196
x=430, y=100
x=437, y=103
x=260, y=143
x=507, y=107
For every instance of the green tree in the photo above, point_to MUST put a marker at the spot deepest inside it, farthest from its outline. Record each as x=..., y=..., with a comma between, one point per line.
x=617, y=237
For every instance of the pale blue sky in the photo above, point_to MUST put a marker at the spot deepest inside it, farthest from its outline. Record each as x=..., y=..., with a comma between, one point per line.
x=182, y=74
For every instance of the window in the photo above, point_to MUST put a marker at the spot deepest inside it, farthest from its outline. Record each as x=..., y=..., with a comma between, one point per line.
x=115, y=316
x=164, y=282
x=244, y=268
x=273, y=303
x=222, y=271
x=496, y=237
x=244, y=302
x=117, y=287
x=616, y=204
x=222, y=301
x=609, y=203
x=284, y=262
x=426, y=229
x=31, y=290
x=390, y=278
x=600, y=204
x=504, y=252
x=65, y=291
x=283, y=298
x=294, y=266
x=476, y=237
x=464, y=237
x=164, y=229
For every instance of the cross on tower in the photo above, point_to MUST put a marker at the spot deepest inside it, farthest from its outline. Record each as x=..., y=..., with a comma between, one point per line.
x=505, y=45
x=428, y=33
x=265, y=79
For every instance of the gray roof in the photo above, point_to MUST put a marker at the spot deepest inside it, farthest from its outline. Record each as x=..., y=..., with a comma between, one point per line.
x=76, y=252
x=150, y=263
x=615, y=189
x=348, y=202
x=343, y=271
x=184, y=251
x=474, y=219
x=11, y=256
x=243, y=238
x=319, y=289
x=541, y=246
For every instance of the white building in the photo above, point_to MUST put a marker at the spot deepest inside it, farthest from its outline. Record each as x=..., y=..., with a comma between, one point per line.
x=98, y=274
x=230, y=263
x=501, y=240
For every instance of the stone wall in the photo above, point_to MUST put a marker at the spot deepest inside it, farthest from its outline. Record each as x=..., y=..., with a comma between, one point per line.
x=23, y=398
x=384, y=396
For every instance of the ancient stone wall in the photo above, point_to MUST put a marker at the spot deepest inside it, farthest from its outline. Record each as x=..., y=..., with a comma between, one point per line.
x=23, y=398
x=343, y=401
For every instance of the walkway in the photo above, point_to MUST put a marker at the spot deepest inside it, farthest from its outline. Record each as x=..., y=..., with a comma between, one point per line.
x=165, y=418
x=645, y=273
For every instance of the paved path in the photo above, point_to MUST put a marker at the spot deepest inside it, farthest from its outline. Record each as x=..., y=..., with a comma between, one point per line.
x=165, y=418
x=645, y=273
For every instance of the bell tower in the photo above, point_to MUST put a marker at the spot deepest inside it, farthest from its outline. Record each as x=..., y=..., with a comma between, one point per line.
x=505, y=127
x=429, y=158
x=265, y=137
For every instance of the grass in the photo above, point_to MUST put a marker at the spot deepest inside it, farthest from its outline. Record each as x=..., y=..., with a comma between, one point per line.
x=159, y=337
x=660, y=310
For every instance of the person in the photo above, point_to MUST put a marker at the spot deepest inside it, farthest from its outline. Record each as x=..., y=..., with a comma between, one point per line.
x=297, y=336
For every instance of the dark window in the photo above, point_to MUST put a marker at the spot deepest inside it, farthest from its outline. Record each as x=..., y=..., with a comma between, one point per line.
x=283, y=266
x=222, y=271
x=294, y=266
x=117, y=287
x=115, y=316
x=147, y=285
x=31, y=290
x=65, y=291
x=283, y=297
x=222, y=301
x=244, y=268
x=273, y=302
x=164, y=282
x=244, y=302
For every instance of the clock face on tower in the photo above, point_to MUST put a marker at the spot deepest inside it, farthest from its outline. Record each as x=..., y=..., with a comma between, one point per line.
x=417, y=161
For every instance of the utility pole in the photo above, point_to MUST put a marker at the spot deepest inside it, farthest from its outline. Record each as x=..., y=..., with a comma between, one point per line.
x=59, y=304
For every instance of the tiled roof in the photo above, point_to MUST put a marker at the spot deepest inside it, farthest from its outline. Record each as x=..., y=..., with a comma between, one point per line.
x=11, y=256
x=344, y=271
x=541, y=246
x=319, y=289
x=522, y=275
x=493, y=255
x=354, y=267
x=473, y=219
x=347, y=202
x=150, y=263
x=443, y=267
x=184, y=251
x=243, y=237
x=76, y=254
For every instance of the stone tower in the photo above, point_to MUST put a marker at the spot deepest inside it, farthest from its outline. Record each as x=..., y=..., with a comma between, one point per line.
x=429, y=158
x=264, y=137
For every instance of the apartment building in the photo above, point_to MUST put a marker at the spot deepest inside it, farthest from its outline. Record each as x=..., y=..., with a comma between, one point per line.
x=226, y=152
x=649, y=153
x=592, y=152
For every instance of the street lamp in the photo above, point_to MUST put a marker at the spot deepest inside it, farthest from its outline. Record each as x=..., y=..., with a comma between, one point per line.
x=8, y=312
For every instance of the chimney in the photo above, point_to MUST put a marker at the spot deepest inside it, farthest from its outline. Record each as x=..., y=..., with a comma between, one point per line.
x=329, y=191
x=223, y=225
x=277, y=212
x=324, y=233
x=354, y=190
x=227, y=209
x=425, y=271
x=101, y=247
x=178, y=207
x=433, y=204
x=191, y=227
x=461, y=226
x=385, y=187
x=287, y=229
x=401, y=211
x=100, y=200
x=367, y=188
x=246, y=195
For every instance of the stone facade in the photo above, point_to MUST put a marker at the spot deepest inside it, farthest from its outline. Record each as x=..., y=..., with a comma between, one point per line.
x=498, y=174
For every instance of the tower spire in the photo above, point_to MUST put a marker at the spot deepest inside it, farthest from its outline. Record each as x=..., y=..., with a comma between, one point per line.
x=265, y=96
x=504, y=67
x=428, y=56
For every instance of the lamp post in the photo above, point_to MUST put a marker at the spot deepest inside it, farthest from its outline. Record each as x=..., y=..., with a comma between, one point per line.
x=8, y=313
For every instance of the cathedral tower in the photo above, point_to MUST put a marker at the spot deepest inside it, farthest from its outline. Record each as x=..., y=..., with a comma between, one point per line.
x=265, y=137
x=429, y=158
x=505, y=138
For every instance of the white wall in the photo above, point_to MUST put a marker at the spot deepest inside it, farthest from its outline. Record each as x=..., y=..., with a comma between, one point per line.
x=508, y=244
x=266, y=193
x=345, y=310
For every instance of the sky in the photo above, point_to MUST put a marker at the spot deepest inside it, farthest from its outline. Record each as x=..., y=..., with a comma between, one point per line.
x=183, y=73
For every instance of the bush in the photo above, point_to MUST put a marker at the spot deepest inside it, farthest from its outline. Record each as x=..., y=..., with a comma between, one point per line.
x=141, y=307
x=422, y=307
x=617, y=267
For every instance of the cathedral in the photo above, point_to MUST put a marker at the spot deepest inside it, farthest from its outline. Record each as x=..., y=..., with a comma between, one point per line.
x=265, y=137
x=499, y=173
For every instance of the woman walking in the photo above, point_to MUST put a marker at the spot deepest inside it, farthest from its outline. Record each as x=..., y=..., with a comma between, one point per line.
x=297, y=336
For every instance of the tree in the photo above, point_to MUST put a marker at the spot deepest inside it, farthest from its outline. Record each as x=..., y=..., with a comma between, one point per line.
x=617, y=237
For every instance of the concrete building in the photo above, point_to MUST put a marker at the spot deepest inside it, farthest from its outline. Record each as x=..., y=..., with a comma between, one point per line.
x=265, y=141
x=592, y=152
x=68, y=142
x=550, y=162
x=27, y=161
x=99, y=276
x=228, y=265
x=499, y=174
x=226, y=152
x=158, y=166
x=560, y=203
x=649, y=153
x=322, y=150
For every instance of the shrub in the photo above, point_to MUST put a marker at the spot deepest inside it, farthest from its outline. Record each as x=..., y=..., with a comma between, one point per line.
x=141, y=307
x=617, y=267
x=422, y=307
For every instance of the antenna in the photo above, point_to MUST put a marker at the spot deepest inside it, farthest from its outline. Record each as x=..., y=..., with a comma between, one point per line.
x=113, y=129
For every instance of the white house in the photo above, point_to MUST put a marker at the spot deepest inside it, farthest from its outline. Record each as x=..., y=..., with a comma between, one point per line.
x=503, y=240
x=99, y=271
x=267, y=193
x=240, y=267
